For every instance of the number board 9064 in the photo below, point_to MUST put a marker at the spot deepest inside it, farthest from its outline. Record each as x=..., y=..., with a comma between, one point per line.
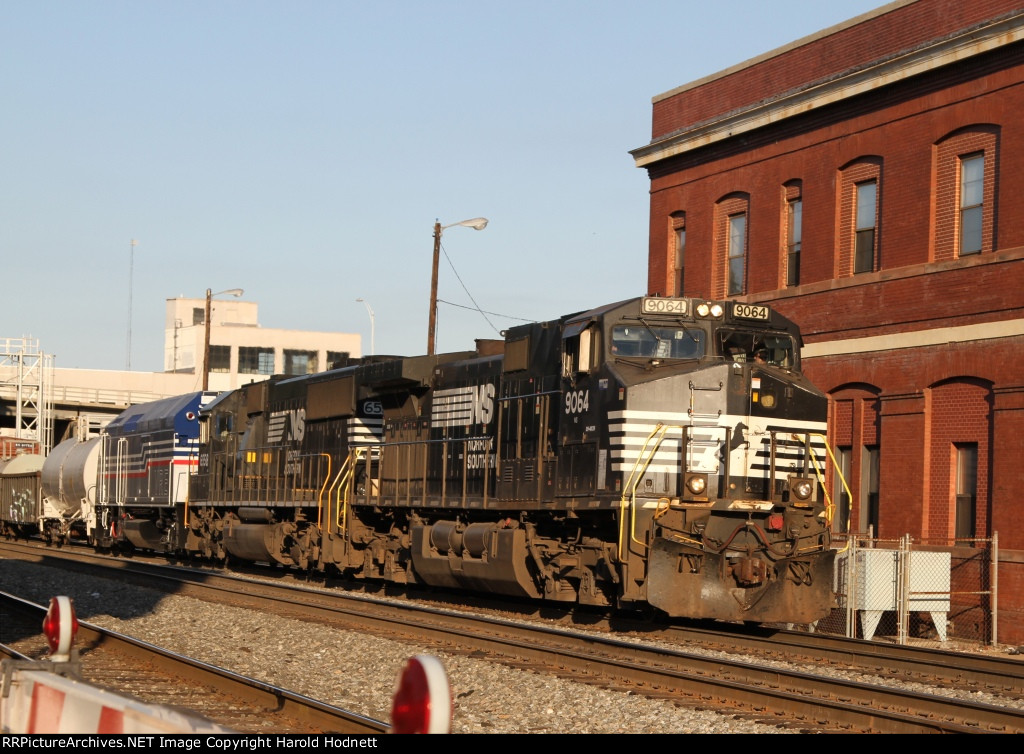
x=751, y=311
x=665, y=306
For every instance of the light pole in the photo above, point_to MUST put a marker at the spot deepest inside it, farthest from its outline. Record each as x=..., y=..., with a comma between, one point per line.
x=477, y=223
x=370, y=312
x=236, y=292
x=131, y=275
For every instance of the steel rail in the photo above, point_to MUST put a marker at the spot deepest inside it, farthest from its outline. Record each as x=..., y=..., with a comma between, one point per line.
x=246, y=705
x=784, y=696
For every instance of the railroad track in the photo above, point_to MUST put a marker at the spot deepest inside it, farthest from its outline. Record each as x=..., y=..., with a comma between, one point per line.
x=155, y=676
x=761, y=690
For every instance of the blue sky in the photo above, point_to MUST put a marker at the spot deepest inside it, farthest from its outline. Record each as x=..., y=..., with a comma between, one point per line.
x=303, y=150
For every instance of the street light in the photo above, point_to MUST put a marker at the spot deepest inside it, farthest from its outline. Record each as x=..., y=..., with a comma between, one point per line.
x=477, y=223
x=370, y=311
x=236, y=292
x=131, y=285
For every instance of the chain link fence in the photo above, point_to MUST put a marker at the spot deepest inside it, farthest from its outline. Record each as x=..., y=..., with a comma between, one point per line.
x=934, y=592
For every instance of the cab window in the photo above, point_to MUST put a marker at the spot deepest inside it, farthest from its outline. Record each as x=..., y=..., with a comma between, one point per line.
x=759, y=348
x=657, y=342
x=579, y=353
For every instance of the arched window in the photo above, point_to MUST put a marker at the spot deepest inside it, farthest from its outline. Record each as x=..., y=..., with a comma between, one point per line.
x=965, y=192
x=860, y=202
x=731, y=231
x=793, y=213
x=678, y=242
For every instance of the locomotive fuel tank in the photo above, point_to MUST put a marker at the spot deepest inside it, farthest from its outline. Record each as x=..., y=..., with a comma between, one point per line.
x=142, y=533
x=490, y=557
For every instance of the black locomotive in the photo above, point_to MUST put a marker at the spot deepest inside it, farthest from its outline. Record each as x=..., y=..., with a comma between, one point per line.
x=653, y=452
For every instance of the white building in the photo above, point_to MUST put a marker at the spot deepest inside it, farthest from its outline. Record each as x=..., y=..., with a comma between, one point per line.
x=240, y=350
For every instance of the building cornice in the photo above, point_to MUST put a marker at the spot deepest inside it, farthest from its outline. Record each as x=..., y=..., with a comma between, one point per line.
x=928, y=57
x=936, y=336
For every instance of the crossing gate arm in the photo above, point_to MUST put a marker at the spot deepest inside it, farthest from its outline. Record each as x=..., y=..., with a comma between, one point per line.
x=38, y=700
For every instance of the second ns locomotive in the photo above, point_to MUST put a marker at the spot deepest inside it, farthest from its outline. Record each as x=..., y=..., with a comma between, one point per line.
x=662, y=452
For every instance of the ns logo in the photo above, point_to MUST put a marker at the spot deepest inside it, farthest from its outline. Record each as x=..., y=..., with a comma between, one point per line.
x=482, y=404
x=463, y=406
x=288, y=426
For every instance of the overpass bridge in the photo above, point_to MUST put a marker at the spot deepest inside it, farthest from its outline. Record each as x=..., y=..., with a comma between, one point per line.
x=42, y=405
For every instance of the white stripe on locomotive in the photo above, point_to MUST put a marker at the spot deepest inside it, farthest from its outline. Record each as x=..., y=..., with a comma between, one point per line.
x=630, y=430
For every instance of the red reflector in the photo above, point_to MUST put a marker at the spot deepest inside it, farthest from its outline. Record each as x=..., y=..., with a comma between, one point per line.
x=60, y=625
x=776, y=522
x=422, y=701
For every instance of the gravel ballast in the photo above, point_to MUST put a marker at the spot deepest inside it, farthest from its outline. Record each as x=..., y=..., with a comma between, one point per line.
x=357, y=671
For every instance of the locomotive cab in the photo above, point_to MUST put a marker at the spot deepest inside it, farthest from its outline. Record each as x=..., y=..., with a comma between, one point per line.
x=696, y=417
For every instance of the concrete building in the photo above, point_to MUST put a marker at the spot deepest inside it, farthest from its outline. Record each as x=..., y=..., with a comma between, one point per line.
x=41, y=404
x=240, y=350
x=865, y=181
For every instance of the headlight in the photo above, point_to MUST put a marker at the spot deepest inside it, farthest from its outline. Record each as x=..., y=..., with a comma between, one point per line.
x=697, y=484
x=705, y=309
x=802, y=488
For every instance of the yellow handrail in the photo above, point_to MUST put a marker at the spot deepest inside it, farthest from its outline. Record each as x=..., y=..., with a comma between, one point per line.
x=345, y=476
x=323, y=489
x=830, y=507
x=627, y=503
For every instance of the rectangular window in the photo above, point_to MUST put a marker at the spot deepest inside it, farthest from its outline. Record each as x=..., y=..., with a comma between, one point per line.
x=966, y=489
x=737, y=253
x=864, y=254
x=972, y=197
x=220, y=358
x=299, y=362
x=680, y=255
x=198, y=315
x=796, y=213
x=841, y=520
x=255, y=360
x=869, y=489
x=336, y=359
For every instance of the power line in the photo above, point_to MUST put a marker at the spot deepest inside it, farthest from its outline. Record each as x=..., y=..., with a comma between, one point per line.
x=464, y=288
x=476, y=306
x=493, y=314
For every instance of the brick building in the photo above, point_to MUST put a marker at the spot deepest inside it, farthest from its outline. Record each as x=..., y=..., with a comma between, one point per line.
x=866, y=182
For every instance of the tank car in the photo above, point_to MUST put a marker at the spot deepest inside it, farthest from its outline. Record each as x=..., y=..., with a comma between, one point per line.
x=68, y=479
x=145, y=457
x=655, y=452
x=21, y=496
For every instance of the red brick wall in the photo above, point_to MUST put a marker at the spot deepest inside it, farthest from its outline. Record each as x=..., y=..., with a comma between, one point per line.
x=960, y=413
x=979, y=289
x=823, y=58
x=902, y=472
x=903, y=137
x=913, y=400
x=1007, y=460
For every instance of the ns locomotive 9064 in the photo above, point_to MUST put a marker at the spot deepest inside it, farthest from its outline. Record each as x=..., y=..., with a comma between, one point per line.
x=653, y=452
